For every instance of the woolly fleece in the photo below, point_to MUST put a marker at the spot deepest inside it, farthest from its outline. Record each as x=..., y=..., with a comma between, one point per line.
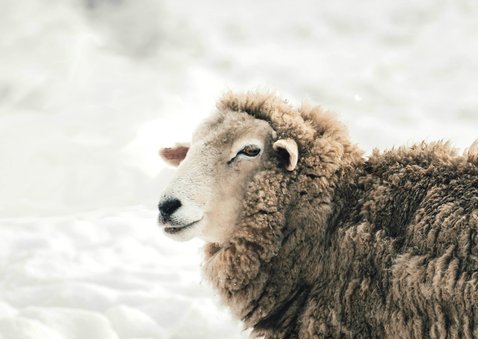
x=345, y=246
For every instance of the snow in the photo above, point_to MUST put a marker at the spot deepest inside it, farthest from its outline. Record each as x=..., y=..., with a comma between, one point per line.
x=90, y=89
x=104, y=274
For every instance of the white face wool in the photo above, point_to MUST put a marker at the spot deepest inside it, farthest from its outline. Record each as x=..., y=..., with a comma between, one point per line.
x=190, y=179
x=200, y=213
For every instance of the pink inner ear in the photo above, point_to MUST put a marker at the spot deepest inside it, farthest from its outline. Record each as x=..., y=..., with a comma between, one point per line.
x=174, y=155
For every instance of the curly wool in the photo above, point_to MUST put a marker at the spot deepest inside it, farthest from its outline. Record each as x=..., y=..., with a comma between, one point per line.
x=348, y=247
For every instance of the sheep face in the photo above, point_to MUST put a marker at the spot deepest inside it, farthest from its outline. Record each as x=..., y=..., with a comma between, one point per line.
x=204, y=198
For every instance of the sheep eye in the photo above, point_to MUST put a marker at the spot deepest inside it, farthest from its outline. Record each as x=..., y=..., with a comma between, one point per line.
x=250, y=151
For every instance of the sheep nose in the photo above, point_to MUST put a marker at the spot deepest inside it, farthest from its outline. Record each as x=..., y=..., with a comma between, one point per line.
x=168, y=207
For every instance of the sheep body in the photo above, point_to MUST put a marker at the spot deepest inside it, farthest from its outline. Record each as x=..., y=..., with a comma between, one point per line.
x=351, y=247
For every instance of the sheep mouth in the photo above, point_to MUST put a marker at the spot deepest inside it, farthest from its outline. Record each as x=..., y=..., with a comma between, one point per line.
x=177, y=229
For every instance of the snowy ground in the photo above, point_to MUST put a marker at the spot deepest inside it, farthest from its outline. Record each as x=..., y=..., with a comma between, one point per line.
x=89, y=90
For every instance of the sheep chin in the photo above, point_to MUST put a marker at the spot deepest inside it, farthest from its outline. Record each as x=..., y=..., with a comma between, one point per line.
x=183, y=233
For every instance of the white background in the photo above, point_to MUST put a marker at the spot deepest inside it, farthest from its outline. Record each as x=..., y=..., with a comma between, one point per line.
x=90, y=89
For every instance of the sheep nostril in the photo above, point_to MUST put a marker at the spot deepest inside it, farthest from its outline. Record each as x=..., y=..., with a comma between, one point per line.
x=168, y=207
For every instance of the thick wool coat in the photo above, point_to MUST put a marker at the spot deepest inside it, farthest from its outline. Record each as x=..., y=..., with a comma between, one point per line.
x=347, y=246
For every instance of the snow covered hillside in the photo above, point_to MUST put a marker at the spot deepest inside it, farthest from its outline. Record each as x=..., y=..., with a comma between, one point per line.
x=90, y=89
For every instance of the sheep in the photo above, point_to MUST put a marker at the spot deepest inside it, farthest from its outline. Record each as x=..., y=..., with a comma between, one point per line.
x=307, y=238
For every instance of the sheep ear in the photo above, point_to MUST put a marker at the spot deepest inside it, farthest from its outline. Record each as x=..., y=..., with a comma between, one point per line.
x=288, y=152
x=174, y=155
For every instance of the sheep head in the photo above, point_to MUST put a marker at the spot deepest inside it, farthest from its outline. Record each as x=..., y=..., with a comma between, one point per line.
x=205, y=197
x=253, y=159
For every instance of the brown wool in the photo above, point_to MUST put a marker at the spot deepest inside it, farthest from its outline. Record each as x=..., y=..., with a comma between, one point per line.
x=343, y=246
